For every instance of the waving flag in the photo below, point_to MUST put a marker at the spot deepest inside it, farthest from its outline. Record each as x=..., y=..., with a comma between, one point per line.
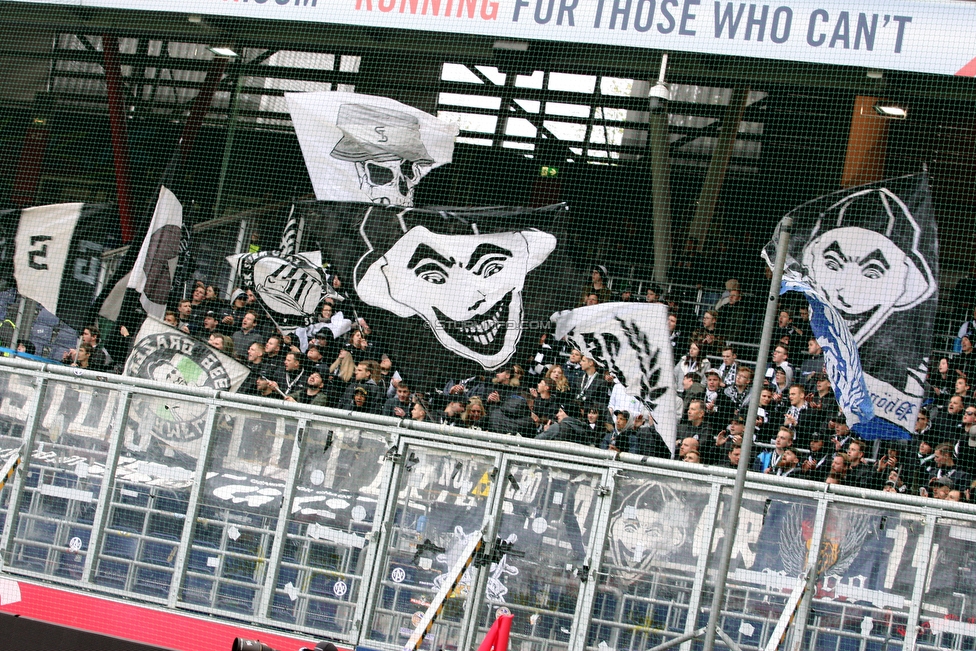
x=631, y=341
x=57, y=257
x=366, y=148
x=867, y=259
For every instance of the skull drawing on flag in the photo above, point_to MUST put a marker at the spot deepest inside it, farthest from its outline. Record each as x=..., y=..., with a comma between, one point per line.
x=386, y=147
x=367, y=149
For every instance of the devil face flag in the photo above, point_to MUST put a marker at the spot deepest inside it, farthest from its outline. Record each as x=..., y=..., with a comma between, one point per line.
x=367, y=149
x=465, y=290
x=871, y=254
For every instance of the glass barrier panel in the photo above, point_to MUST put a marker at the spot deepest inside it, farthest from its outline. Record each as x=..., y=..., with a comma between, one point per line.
x=148, y=501
x=63, y=481
x=338, y=490
x=548, y=516
x=867, y=564
x=768, y=559
x=235, y=523
x=948, y=614
x=442, y=498
x=656, y=534
x=16, y=396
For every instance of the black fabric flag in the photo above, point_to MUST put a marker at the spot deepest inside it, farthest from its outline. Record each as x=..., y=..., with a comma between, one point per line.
x=452, y=292
x=57, y=256
x=872, y=252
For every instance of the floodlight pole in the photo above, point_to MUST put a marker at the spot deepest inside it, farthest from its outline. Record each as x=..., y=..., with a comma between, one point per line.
x=732, y=518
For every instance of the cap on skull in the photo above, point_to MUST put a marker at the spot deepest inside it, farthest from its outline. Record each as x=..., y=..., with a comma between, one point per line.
x=372, y=133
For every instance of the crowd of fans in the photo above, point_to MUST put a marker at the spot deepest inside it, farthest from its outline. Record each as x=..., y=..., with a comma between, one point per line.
x=560, y=394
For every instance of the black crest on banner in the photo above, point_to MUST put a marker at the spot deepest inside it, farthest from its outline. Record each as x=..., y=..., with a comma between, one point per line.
x=290, y=287
x=465, y=290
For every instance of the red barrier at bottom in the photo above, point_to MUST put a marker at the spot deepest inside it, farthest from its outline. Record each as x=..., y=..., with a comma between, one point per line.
x=150, y=625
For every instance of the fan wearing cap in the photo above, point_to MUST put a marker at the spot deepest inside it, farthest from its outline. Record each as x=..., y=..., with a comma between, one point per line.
x=596, y=286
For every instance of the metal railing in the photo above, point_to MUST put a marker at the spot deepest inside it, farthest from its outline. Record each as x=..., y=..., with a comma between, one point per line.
x=342, y=525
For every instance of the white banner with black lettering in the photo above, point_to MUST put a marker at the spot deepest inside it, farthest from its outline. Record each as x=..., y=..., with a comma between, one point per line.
x=164, y=354
x=41, y=251
x=631, y=341
x=932, y=36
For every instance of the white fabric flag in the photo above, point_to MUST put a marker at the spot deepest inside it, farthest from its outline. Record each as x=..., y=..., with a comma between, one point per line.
x=41, y=250
x=165, y=354
x=152, y=273
x=367, y=148
x=632, y=341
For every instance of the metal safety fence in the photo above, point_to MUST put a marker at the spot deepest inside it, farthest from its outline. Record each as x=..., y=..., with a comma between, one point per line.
x=345, y=525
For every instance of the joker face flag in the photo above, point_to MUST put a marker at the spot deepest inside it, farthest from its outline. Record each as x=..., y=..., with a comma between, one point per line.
x=367, y=148
x=871, y=253
x=461, y=288
x=630, y=340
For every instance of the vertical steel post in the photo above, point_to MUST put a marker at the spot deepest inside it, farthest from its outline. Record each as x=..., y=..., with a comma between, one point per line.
x=732, y=522
x=921, y=575
x=657, y=134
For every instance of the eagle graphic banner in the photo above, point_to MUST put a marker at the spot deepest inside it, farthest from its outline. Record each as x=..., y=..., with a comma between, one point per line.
x=449, y=291
x=871, y=254
x=366, y=148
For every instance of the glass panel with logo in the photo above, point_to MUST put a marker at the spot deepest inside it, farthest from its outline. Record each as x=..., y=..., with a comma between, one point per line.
x=148, y=502
x=645, y=580
x=442, y=498
x=948, y=609
x=339, y=491
x=16, y=398
x=235, y=523
x=64, y=479
x=548, y=518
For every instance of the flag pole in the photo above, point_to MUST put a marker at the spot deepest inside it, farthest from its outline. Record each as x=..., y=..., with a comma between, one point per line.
x=732, y=517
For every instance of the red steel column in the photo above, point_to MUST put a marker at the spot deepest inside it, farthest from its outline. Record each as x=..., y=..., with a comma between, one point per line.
x=116, y=117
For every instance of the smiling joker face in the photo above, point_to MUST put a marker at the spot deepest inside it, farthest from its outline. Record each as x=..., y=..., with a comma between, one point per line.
x=862, y=271
x=467, y=288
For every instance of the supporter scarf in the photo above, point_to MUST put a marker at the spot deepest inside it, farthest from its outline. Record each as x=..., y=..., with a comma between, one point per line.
x=866, y=259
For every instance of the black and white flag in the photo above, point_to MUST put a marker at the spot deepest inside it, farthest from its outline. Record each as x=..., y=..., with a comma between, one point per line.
x=154, y=269
x=631, y=340
x=165, y=354
x=458, y=291
x=289, y=286
x=872, y=254
x=365, y=148
x=57, y=257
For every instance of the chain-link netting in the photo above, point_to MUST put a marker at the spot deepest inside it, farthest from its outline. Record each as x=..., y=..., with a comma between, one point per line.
x=556, y=221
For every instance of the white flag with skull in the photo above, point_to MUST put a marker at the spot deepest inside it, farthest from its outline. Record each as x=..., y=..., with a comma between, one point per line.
x=631, y=341
x=367, y=148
